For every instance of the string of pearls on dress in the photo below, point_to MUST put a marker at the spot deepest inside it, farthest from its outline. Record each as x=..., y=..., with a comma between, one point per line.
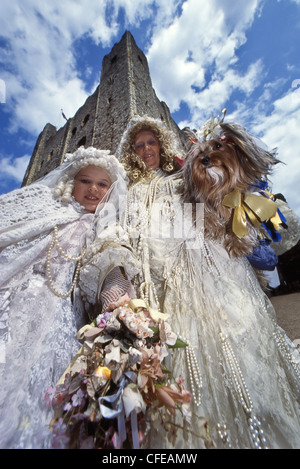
x=194, y=372
x=137, y=224
x=147, y=287
x=281, y=343
x=208, y=254
x=243, y=395
x=78, y=259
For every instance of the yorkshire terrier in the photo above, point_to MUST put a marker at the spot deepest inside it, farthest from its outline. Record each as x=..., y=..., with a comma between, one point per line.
x=223, y=167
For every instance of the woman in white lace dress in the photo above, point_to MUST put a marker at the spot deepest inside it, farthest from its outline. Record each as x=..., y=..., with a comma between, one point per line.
x=239, y=365
x=44, y=230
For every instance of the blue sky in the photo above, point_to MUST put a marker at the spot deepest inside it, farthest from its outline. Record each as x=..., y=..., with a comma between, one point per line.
x=203, y=56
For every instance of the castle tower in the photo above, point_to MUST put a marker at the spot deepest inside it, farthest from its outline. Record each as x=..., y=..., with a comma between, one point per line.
x=125, y=90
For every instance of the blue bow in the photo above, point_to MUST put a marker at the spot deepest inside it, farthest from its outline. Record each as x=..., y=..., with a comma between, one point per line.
x=117, y=410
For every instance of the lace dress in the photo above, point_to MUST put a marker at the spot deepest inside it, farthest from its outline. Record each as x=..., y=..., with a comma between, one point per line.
x=38, y=329
x=245, y=379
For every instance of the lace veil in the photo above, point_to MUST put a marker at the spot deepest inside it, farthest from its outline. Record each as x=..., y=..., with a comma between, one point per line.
x=33, y=210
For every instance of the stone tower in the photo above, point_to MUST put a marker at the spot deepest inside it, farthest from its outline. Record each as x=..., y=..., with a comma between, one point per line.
x=125, y=90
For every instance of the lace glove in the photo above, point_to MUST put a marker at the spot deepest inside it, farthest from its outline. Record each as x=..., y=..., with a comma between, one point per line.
x=116, y=290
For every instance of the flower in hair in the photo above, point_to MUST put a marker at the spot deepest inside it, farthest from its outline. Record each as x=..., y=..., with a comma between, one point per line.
x=211, y=129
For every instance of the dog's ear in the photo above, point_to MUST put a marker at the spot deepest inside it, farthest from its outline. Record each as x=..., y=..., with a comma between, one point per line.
x=189, y=191
x=256, y=159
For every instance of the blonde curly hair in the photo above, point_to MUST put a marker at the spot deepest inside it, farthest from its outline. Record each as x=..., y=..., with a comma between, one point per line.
x=135, y=167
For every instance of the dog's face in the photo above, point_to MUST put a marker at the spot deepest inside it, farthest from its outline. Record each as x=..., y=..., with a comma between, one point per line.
x=233, y=161
x=214, y=170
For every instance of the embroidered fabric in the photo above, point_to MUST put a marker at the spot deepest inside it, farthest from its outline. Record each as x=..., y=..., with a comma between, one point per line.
x=249, y=368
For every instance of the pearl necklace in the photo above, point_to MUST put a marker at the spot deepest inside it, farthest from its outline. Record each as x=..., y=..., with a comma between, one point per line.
x=243, y=395
x=194, y=373
x=280, y=341
x=147, y=288
x=78, y=259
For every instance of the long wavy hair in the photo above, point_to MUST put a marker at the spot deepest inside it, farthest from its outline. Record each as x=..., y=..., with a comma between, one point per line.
x=134, y=166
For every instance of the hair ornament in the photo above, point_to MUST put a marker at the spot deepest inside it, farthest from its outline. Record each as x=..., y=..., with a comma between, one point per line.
x=211, y=129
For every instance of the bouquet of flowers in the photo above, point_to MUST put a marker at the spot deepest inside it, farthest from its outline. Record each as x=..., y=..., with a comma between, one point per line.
x=118, y=382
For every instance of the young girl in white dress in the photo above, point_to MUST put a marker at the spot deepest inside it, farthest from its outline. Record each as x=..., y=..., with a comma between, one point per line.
x=44, y=230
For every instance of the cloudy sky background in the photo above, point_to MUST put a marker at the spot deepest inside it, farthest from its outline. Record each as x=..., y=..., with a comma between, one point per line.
x=203, y=56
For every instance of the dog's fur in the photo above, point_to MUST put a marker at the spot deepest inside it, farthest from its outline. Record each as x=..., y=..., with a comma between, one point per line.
x=213, y=169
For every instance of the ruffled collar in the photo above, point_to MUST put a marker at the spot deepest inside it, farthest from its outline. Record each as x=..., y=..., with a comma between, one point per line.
x=78, y=207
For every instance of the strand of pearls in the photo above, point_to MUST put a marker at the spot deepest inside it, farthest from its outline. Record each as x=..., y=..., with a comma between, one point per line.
x=138, y=223
x=236, y=375
x=223, y=434
x=78, y=259
x=208, y=255
x=147, y=287
x=243, y=395
x=253, y=282
x=195, y=376
x=281, y=343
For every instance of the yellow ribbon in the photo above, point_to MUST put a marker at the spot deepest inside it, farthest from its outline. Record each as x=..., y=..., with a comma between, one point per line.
x=155, y=315
x=257, y=208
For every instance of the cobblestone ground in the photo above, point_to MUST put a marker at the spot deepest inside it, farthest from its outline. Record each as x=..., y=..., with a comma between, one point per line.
x=287, y=309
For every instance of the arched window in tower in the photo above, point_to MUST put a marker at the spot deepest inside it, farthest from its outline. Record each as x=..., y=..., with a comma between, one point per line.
x=74, y=130
x=41, y=165
x=86, y=119
x=114, y=59
x=81, y=142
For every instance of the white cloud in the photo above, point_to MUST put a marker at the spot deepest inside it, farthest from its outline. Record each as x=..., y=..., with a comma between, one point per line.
x=281, y=129
x=2, y=91
x=14, y=168
x=40, y=68
x=41, y=73
x=199, y=50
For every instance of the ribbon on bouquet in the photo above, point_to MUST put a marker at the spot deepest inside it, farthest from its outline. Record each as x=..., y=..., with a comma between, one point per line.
x=119, y=410
x=155, y=315
x=259, y=209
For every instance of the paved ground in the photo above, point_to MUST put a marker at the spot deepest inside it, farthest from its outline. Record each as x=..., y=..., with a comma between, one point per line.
x=287, y=309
